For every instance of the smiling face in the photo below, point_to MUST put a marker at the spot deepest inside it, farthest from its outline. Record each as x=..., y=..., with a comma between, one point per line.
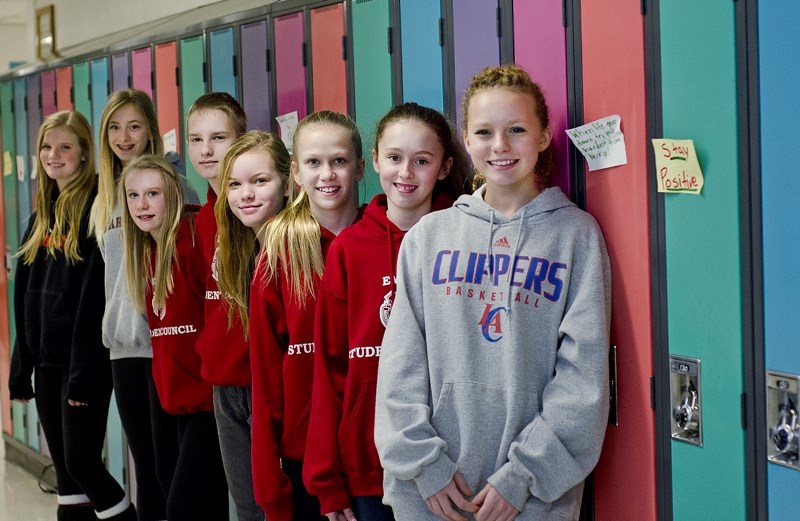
x=211, y=133
x=128, y=136
x=61, y=155
x=326, y=165
x=504, y=138
x=144, y=191
x=255, y=190
x=409, y=162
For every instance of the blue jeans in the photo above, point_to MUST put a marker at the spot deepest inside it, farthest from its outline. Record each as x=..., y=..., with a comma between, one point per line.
x=371, y=508
x=233, y=408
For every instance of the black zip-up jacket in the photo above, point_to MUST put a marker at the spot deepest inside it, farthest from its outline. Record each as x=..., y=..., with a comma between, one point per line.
x=59, y=313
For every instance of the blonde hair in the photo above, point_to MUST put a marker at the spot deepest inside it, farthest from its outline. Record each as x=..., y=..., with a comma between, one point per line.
x=110, y=164
x=236, y=242
x=514, y=78
x=138, y=245
x=292, y=238
x=62, y=220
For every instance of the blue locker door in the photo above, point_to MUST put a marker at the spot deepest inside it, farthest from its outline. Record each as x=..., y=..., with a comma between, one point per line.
x=223, y=61
x=99, y=86
x=475, y=43
x=120, y=71
x=423, y=70
x=23, y=168
x=256, y=94
x=779, y=66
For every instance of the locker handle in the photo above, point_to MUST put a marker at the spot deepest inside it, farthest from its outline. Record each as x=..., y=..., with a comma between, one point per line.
x=344, y=48
x=268, y=62
x=72, y=95
x=177, y=76
x=235, y=66
x=441, y=32
x=304, y=55
x=499, y=23
x=389, y=39
x=89, y=91
x=205, y=72
x=564, y=13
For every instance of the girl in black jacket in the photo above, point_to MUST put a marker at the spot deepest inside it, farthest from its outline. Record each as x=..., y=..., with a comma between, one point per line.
x=58, y=302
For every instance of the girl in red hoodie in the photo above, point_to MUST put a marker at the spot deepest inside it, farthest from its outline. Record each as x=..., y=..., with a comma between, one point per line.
x=421, y=168
x=165, y=270
x=326, y=165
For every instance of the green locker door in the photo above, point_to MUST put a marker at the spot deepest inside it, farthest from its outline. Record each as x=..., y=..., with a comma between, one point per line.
x=80, y=89
x=703, y=266
x=11, y=209
x=193, y=85
x=372, y=66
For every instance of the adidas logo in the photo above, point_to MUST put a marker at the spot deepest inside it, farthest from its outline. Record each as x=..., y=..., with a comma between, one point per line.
x=502, y=242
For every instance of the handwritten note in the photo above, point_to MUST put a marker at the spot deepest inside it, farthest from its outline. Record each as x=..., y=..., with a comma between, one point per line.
x=171, y=141
x=8, y=165
x=601, y=142
x=677, y=167
x=288, y=124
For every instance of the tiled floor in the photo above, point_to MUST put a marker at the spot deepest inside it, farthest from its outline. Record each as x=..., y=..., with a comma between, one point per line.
x=20, y=497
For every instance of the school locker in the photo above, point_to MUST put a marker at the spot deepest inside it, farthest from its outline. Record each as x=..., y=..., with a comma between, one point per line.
x=256, y=92
x=421, y=37
x=49, y=96
x=540, y=46
x=99, y=87
x=702, y=254
x=34, y=92
x=328, y=64
x=142, y=70
x=222, y=54
x=10, y=205
x=618, y=198
x=63, y=89
x=476, y=44
x=5, y=344
x=779, y=73
x=193, y=85
x=167, y=102
x=81, y=95
x=372, y=66
x=120, y=75
x=290, y=65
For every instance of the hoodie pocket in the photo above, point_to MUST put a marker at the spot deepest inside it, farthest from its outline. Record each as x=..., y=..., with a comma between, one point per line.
x=479, y=422
x=48, y=326
x=357, y=437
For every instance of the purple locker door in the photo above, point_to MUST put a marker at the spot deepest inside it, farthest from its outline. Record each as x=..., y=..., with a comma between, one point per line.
x=119, y=71
x=540, y=46
x=48, y=93
x=34, y=90
x=475, y=43
x=255, y=75
x=290, y=71
x=142, y=70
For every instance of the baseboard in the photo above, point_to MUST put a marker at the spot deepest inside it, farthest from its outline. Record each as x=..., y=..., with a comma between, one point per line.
x=37, y=465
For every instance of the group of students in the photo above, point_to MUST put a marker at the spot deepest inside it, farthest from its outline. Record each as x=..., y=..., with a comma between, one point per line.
x=433, y=354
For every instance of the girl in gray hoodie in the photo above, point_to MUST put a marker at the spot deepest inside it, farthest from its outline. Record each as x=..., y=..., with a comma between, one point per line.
x=492, y=391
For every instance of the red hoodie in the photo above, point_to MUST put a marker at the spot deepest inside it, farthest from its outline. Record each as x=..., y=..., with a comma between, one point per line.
x=281, y=356
x=225, y=352
x=352, y=311
x=176, y=364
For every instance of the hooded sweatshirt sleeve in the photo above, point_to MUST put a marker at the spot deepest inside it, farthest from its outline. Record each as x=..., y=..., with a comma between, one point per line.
x=408, y=445
x=22, y=359
x=267, y=332
x=88, y=352
x=559, y=448
x=323, y=472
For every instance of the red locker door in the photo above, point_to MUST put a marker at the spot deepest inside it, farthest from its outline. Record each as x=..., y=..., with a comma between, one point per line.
x=328, y=68
x=64, y=88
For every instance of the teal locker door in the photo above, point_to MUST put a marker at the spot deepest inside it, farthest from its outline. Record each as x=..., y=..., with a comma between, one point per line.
x=11, y=208
x=423, y=70
x=372, y=66
x=81, y=92
x=779, y=71
x=99, y=87
x=703, y=253
x=193, y=85
x=224, y=72
x=24, y=187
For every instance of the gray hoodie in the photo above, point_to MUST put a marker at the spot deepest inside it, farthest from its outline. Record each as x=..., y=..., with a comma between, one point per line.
x=125, y=330
x=495, y=358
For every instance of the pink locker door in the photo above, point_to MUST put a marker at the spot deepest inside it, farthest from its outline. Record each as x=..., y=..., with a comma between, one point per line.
x=167, y=102
x=142, y=70
x=290, y=66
